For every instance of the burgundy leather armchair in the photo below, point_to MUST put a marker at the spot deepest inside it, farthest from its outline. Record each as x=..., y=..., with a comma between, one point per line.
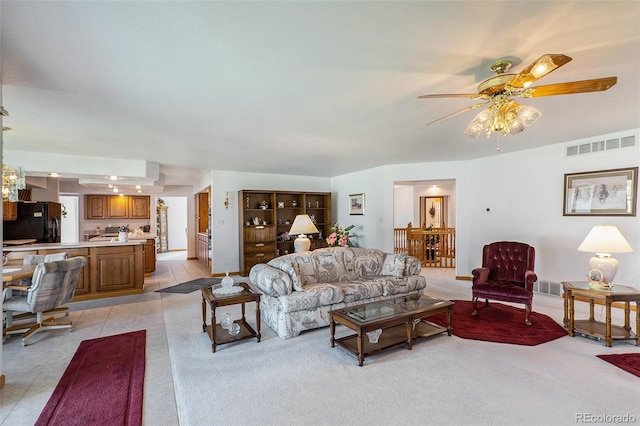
x=506, y=275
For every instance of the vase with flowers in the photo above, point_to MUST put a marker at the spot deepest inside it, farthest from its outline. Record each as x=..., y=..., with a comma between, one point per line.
x=123, y=234
x=432, y=211
x=340, y=237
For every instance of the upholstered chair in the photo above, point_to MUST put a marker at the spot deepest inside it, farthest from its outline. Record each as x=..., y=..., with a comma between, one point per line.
x=34, y=259
x=53, y=285
x=506, y=275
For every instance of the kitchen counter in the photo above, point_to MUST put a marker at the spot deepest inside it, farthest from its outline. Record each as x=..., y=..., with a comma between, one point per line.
x=62, y=246
x=112, y=269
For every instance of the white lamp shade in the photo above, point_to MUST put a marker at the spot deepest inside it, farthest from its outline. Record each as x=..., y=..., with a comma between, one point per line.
x=605, y=239
x=302, y=225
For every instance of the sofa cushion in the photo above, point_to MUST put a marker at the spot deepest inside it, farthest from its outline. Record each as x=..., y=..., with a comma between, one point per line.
x=367, y=262
x=294, y=272
x=333, y=265
x=361, y=290
x=507, y=291
x=303, y=266
x=313, y=296
x=400, y=285
x=393, y=264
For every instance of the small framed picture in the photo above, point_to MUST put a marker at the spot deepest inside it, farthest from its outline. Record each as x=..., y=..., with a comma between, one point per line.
x=356, y=204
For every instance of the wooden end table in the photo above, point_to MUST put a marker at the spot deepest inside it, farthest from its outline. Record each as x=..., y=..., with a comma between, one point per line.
x=219, y=335
x=591, y=327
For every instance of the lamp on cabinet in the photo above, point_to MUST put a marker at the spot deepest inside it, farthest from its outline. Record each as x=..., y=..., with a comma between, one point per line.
x=302, y=225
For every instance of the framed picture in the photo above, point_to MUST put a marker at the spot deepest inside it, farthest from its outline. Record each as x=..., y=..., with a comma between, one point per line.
x=356, y=204
x=601, y=193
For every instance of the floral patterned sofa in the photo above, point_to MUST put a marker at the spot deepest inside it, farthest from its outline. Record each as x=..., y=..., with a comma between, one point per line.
x=300, y=289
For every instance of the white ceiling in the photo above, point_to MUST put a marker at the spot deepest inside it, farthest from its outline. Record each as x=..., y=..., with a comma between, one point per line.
x=301, y=88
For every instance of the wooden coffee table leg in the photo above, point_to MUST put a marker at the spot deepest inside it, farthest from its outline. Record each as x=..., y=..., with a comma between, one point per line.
x=204, y=315
x=360, y=349
x=213, y=328
x=258, y=336
x=332, y=326
x=449, y=312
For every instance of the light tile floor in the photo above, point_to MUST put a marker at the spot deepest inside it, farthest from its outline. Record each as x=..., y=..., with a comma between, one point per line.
x=33, y=371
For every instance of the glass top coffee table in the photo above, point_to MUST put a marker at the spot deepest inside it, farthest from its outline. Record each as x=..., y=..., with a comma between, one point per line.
x=383, y=325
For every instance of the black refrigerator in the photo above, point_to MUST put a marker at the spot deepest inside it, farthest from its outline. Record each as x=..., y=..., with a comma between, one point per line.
x=39, y=220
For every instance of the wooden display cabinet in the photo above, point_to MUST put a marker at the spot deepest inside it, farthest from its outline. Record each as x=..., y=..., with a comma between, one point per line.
x=264, y=229
x=162, y=229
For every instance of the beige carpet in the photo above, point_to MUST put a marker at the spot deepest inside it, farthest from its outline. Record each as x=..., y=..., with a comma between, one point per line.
x=445, y=380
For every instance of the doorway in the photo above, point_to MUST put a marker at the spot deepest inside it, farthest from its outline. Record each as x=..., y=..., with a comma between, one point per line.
x=433, y=211
x=70, y=222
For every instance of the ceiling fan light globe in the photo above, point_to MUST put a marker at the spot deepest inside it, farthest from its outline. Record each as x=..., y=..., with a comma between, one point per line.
x=515, y=126
x=528, y=115
x=474, y=130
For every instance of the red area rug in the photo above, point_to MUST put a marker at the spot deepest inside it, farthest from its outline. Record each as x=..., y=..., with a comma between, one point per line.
x=103, y=384
x=628, y=362
x=500, y=323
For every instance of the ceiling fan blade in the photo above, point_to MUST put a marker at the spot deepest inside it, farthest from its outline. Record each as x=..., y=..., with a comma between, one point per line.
x=571, y=87
x=453, y=114
x=455, y=95
x=538, y=69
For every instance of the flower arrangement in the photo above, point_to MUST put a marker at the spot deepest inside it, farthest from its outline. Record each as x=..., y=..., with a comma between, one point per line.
x=432, y=211
x=340, y=237
x=124, y=228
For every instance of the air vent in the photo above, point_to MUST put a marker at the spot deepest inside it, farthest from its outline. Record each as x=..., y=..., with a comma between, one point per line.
x=601, y=146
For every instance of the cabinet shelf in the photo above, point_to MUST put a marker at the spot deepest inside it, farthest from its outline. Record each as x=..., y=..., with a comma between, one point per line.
x=259, y=243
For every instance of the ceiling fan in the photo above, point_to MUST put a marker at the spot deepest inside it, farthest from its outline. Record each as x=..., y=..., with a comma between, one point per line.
x=505, y=115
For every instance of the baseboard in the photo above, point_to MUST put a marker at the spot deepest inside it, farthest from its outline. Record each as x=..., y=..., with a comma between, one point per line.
x=192, y=258
x=464, y=278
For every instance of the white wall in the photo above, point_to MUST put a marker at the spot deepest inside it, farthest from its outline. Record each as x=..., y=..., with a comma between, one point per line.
x=403, y=201
x=524, y=191
x=377, y=221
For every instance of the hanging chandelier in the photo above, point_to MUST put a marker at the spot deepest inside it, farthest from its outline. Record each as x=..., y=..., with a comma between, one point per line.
x=504, y=116
x=13, y=180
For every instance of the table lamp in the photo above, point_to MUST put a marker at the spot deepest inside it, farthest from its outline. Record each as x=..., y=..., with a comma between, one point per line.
x=604, y=240
x=302, y=225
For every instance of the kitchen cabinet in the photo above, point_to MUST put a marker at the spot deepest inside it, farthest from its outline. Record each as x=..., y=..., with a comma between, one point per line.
x=265, y=218
x=117, y=268
x=139, y=207
x=9, y=210
x=117, y=206
x=95, y=206
x=84, y=280
x=150, y=257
